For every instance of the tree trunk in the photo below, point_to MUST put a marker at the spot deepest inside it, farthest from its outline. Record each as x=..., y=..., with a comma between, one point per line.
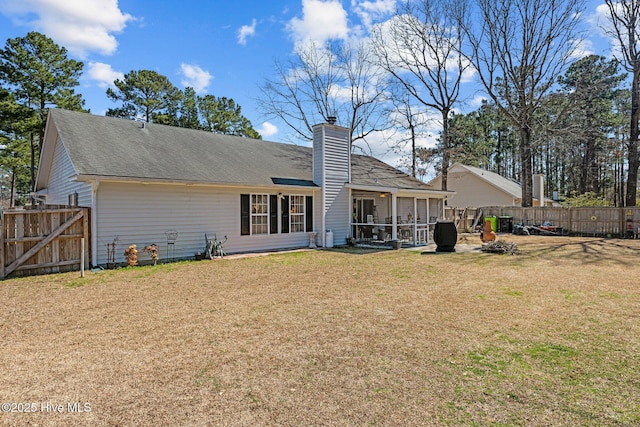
x=588, y=176
x=499, y=153
x=445, y=147
x=12, y=198
x=413, y=151
x=33, y=163
x=632, y=180
x=526, y=165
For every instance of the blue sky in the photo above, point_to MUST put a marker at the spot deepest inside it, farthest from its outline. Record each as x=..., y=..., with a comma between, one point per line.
x=224, y=48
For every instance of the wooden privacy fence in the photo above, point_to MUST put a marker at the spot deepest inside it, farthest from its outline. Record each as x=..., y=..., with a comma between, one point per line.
x=596, y=221
x=43, y=240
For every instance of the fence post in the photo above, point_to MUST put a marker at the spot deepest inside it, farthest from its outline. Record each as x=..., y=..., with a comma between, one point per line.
x=82, y=257
x=85, y=233
x=2, y=238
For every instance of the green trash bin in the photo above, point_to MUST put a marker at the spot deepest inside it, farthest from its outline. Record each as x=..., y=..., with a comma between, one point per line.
x=494, y=222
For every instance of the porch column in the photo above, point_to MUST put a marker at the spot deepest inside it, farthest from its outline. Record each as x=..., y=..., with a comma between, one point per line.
x=394, y=216
x=415, y=221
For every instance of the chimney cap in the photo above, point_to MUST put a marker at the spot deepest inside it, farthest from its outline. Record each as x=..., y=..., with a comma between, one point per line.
x=331, y=120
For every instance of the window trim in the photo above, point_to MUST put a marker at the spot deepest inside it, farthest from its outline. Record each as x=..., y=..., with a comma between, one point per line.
x=263, y=204
x=302, y=217
x=279, y=216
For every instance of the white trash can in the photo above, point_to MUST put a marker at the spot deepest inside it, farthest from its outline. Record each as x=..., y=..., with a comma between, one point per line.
x=328, y=239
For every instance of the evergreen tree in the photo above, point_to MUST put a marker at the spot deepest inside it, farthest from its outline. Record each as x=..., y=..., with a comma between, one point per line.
x=144, y=94
x=15, y=121
x=223, y=115
x=589, y=84
x=39, y=75
x=152, y=97
x=189, y=110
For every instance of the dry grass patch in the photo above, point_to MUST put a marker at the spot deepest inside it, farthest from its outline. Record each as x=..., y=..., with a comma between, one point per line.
x=342, y=337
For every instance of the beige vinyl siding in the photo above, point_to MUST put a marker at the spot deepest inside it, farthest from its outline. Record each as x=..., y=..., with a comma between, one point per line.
x=141, y=214
x=60, y=184
x=471, y=191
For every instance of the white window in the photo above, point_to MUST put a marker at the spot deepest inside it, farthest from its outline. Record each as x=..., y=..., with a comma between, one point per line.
x=296, y=214
x=259, y=214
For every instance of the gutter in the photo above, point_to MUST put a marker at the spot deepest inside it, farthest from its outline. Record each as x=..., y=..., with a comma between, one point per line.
x=149, y=181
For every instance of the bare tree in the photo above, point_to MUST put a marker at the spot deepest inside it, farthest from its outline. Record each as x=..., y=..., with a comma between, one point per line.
x=518, y=50
x=420, y=48
x=333, y=80
x=409, y=123
x=363, y=92
x=625, y=28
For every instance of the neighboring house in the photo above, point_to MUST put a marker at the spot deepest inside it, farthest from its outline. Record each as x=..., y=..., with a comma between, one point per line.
x=143, y=180
x=475, y=187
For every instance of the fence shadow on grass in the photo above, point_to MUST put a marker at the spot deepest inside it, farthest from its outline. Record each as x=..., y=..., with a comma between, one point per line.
x=357, y=250
x=594, y=251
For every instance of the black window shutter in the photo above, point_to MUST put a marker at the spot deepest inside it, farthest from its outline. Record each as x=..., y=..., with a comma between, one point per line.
x=285, y=214
x=273, y=214
x=308, y=211
x=245, y=215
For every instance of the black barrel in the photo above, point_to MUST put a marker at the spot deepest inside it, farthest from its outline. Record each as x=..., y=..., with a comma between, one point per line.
x=445, y=235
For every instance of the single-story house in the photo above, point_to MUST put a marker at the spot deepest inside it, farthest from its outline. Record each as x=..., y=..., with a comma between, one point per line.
x=149, y=183
x=475, y=187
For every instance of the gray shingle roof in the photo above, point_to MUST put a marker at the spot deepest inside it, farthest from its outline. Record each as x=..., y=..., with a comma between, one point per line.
x=111, y=147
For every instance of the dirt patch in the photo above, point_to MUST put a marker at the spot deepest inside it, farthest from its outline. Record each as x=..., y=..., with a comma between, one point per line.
x=333, y=337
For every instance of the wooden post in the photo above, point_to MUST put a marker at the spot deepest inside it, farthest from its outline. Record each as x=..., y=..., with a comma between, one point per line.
x=86, y=234
x=2, y=237
x=55, y=244
x=82, y=257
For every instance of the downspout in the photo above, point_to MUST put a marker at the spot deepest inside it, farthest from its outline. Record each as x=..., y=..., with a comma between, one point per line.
x=94, y=222
x=350, y=211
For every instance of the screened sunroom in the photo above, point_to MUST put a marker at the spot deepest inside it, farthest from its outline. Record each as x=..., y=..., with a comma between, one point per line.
x=395, y=215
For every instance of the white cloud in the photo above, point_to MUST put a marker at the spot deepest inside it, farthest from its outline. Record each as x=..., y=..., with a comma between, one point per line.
x=477, y=101
x=582, y=48
x=379, y=144
x=246, y=31
x=103, y=74
x=81, y=26
x=602, y=37
x=370, y=11
x=469, y=73
x=321, y=21
x=195, y=77
x=267, y=129
x=601, y=17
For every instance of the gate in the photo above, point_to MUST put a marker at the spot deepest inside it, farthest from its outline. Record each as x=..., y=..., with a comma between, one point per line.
x=41, y=240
